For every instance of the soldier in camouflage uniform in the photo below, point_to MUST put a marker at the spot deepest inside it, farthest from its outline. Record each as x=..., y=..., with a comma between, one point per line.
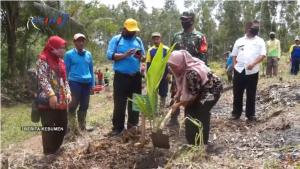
x=194, y=42
x=189, y=39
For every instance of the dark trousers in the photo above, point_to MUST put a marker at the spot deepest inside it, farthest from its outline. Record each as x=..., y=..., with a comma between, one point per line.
x=272, y=66
x=240, y=83
x=173, y=90
x=229, y=72
x=163, y=88
x=295, y=65
x=52, y=140
x=201, y=112
x=106, y=82
x=124, y=86
x=80, y=96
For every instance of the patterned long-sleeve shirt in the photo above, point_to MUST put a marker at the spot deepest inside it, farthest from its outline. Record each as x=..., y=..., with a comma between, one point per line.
x=49, y=83
x=209, y=91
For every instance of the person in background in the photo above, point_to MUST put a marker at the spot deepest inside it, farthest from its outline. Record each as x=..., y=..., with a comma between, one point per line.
x=163, y=86
x=229, y=66
x=54, y=93
x=127, y=52
x=100, y=77
x=143, y=73
x=143, y=69
x=295, y=56
x=248, y=51
x=80, y=73
x=194, y=42
x=198, y=90
x=263, y=67
x=107, y=76
x=273, y=55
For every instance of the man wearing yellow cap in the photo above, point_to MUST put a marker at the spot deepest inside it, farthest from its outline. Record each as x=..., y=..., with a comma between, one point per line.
x=126, y=50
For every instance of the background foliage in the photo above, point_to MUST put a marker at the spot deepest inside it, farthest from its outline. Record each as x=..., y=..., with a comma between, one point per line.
x=221, y=21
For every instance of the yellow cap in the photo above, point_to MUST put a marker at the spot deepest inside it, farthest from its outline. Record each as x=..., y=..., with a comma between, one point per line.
x=131, y=25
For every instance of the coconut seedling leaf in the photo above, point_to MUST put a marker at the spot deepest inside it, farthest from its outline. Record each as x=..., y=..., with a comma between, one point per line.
x=147, y=104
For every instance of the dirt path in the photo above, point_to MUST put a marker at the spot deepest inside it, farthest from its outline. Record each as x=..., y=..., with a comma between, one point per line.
x=273, y=141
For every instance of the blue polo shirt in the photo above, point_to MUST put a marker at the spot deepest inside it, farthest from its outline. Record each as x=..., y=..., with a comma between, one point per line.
x=79, y=66
x=119, y=44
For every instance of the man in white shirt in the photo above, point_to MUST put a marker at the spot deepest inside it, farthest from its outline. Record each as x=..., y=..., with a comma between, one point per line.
x=248, y=52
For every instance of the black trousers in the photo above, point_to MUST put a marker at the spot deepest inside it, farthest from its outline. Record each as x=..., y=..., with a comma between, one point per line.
x=201, y=112
x=52, y=140
x=163, y=88
x=124, y=86
x=242, y=82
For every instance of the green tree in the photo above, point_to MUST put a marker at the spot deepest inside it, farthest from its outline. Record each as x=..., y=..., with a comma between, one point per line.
x=10, y=14
x=207, y=25
x=265, y=19
x=231, y=27
x=248, y=11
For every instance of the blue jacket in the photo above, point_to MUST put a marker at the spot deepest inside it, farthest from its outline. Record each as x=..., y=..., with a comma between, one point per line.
x=79, y=66
x=295, y=51
x=119, y=44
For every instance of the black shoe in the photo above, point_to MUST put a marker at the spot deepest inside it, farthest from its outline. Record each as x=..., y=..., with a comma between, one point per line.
x=114, y=133
x=234, y=117
x=252, y=119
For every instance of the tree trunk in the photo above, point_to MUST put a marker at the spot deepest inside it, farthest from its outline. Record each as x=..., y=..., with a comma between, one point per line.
x=12, y=12
x=143, y=130
x=25, y=57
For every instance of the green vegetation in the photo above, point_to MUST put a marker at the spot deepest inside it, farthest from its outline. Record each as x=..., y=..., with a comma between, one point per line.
x=221, y=21
x=12, y=119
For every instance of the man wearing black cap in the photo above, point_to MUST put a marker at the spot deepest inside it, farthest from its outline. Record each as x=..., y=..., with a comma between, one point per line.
x=191, y=40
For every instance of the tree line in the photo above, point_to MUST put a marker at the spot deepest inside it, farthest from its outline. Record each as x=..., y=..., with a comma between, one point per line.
x=221, y=21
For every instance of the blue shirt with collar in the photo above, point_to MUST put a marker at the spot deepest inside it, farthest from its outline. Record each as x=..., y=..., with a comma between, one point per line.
x=79, y=66
x=119, y=44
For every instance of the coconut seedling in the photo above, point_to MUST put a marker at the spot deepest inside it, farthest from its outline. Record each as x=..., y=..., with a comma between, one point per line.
x=147, y=104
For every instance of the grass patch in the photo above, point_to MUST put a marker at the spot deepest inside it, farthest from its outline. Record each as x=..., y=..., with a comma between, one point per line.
x=100, y=110
x=218, y=68
x=272, y=164
x=297, y=165
x=12, y=119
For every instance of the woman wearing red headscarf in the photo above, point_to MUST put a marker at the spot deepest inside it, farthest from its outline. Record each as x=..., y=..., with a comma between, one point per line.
x=53, y=95
x=198, y=90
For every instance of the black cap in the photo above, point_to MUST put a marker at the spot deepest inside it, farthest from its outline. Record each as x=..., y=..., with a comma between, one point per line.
x=187, y=15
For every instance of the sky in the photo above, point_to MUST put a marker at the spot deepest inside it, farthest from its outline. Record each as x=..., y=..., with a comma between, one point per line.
x=149, y=3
